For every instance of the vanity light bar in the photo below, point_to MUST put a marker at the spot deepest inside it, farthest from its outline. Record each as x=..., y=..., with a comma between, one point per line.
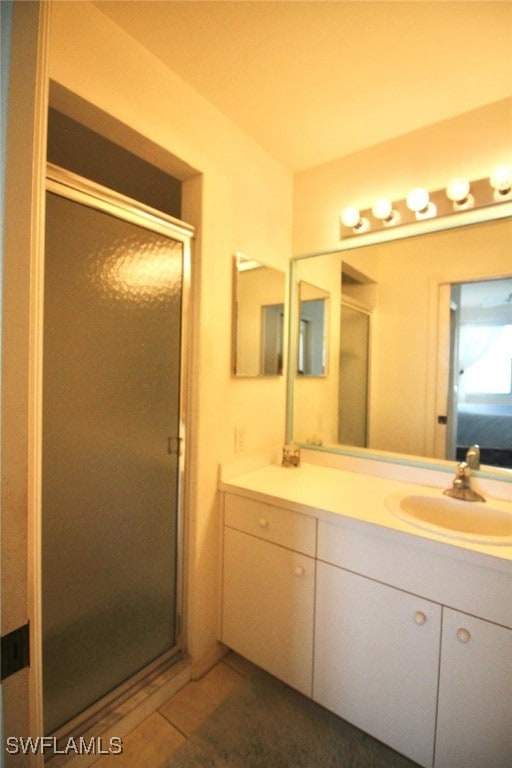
x=459, y=195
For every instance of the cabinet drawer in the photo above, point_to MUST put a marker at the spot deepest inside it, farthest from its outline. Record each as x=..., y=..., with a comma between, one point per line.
x=280, y=526
x=408, y=565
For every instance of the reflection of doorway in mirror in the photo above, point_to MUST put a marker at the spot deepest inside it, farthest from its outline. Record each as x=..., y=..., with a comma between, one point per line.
x=311, y=354
x=353, y=380
x=272, y=335
x=481, y=371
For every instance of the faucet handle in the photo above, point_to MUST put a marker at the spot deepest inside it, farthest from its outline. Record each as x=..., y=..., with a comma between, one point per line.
x=461, y=486
x=462, y=469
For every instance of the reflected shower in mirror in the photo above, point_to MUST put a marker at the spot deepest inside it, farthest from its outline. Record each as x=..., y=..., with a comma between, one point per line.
x=258, y=318
x=404, y=400
x=312, y=332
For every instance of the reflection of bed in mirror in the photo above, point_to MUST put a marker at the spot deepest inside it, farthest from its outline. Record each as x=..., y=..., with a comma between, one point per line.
x=489, y=426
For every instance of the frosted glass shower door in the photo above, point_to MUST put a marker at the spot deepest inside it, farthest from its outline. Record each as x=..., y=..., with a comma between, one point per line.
x=111, y=419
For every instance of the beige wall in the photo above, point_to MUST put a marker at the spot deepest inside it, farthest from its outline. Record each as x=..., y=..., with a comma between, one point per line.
x=470, y=145
x=240, y=200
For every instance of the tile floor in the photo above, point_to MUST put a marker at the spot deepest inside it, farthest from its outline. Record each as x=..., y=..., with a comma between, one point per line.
x=167, y=729
x=151, y=743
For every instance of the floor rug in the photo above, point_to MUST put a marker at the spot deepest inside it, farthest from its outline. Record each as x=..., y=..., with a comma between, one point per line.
x=266, y=724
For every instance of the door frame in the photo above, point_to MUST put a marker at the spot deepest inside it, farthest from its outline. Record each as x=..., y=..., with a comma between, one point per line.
x=441, y=399
x=23, y=247
x=23, y=282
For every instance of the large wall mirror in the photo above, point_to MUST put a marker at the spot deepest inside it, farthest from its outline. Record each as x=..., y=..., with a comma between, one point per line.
x=258, y=318
x=420, y=348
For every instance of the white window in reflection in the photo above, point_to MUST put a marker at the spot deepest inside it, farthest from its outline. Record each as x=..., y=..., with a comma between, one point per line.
x=489, y=371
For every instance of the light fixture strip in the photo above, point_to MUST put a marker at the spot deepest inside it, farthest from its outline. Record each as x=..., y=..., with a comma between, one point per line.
x=459, y=195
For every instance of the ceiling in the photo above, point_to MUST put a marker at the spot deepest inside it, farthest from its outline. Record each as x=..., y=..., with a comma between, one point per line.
x=311, y=80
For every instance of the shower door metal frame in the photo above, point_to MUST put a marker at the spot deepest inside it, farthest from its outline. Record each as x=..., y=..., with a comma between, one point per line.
x=85, y=192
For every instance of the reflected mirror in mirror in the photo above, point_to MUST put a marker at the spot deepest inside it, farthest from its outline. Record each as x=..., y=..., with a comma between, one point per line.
x=258, y=318
x=438, y=373
x=312, y=332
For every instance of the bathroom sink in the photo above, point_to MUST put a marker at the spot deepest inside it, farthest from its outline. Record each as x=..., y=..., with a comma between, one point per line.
x=486, y=523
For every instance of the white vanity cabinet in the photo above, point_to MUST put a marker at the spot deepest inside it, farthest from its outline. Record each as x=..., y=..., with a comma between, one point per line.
x=475, y=694
x=408, y=638
x=376, y=659
x=268, y=588
x=394, y=656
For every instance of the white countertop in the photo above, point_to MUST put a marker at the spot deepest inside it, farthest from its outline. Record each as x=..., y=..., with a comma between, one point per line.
x=360, y=500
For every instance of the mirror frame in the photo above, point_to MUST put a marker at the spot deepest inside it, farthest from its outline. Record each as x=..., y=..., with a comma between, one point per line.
x=426, y=226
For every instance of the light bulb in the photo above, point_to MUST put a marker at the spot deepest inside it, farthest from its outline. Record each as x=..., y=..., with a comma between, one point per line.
x=382, y=208
x=417, y=199
x=350, y=217
x=457, y=190
x=501, y=180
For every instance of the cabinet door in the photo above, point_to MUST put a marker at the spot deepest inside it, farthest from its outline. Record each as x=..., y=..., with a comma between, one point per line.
x=475, y=694
x=376, y=659
x=268, y=600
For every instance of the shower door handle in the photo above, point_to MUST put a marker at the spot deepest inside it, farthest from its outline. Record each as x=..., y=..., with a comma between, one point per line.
x=174, y=446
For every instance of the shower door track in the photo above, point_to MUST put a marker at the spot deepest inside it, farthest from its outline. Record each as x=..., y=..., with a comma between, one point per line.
x=90, y=720
x=83, y=191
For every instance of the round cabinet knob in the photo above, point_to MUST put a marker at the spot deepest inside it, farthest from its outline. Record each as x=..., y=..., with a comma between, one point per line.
x=419, y=618
x=299, y=570
x=262, y=522
x=463, y=635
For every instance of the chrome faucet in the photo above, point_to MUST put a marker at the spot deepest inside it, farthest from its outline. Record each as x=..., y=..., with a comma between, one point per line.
x=461, y=486
x=473, y=457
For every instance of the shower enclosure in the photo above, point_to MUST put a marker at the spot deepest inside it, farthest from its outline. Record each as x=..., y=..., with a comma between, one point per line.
x=116, y=278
